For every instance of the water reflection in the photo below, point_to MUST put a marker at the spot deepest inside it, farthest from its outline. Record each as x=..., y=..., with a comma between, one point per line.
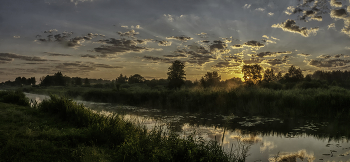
x=292, y=157
x=267, y=138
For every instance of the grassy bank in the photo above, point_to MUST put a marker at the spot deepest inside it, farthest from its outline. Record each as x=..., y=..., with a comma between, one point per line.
x=61, y=130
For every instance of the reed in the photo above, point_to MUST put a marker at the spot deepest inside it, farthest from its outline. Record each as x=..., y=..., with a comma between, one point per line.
x=71, y=128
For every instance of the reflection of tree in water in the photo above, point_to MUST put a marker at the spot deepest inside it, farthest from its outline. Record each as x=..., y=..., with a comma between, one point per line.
x=292, y=157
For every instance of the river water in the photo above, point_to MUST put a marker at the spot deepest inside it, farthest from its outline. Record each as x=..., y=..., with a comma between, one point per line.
x=268, y=139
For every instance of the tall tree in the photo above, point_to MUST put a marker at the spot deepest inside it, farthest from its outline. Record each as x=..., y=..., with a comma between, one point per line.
x=210, y=79
x=78, y=81
x=252, y=73
x=59, y=80
x=294, y=74
x=279, y=76
x=122, y=79
x=136, y=78
x=269, y=75
x=176, y=75
x=86, y=82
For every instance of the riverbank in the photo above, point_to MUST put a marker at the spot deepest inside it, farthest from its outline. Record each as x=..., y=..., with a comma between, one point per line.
x=62, y=130
x=319, y=103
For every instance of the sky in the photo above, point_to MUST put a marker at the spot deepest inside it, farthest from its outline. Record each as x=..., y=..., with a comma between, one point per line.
x=106, y=38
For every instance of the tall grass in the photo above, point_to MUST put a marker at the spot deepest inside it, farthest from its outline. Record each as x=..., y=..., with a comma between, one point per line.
x=132, y=142
x=320, y=103
x=122, y=140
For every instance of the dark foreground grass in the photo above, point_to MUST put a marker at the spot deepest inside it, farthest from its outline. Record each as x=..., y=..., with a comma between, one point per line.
x=61, y=130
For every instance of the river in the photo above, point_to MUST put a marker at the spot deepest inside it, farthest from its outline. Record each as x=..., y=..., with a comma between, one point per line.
x=268, y=139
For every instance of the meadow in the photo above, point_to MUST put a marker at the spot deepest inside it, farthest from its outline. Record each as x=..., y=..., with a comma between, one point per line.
x=59, y=129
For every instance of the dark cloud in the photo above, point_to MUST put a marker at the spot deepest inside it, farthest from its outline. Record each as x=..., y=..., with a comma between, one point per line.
x=253, y=61
x=90, y=56
x=290, y=26
x=235, y=58
x=122, y=46
x=157, y=59
x=164, y=43
x=56, y=54
x=253, y=44
x=21, y=57
x=106, y=66
x=271, y=54
x=217, y=46
x=175, y=55
x=74, y=42
x=324, y=56
x=236, y=46
x=205, y=41
x=130, y=33
x=6, y=59
x=199, y=59
x=328, y=63
x=339, y=55
x=339, y=13
x=83, y=67
x=64, y=38
x=317, y=18
x=305, y=55
x=329, y=56
x=312, y=14
x=180, y=38
x=33, y=63
x=225, y=64
x=274, y=62
x=335, y=3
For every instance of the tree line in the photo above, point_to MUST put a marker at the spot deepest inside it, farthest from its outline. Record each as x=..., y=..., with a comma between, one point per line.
x=252, y=75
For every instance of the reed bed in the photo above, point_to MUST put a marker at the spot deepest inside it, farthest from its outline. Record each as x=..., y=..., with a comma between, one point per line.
x=318, y=102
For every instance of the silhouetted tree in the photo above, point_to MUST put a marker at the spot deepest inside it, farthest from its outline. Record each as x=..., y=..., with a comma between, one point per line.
x=86, y=82
x=32, y=81
x=294, y=75
x=78, y=81
x=18, y=81
x=136, y=78
x=59, y=80
x=176, y=75
x=121, y=79
x=252, y=73
x=269, y=75
x=210, y=79
x=279, y=76
x=56, y=80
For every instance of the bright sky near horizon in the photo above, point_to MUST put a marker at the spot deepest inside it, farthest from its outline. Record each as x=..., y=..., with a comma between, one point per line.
x=104, y=38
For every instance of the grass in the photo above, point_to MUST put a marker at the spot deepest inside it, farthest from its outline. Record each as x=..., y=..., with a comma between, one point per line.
x=30, y=135
x=307, y=103
x=61, y=130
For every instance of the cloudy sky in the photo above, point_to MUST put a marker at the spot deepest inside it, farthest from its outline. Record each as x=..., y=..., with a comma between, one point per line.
x=103, y=38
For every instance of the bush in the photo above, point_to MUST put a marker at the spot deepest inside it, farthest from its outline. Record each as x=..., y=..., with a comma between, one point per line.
x=14, y=97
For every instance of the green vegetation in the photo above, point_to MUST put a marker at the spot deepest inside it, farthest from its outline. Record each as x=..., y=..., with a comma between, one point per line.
x=321, y=95
x=62, y=130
